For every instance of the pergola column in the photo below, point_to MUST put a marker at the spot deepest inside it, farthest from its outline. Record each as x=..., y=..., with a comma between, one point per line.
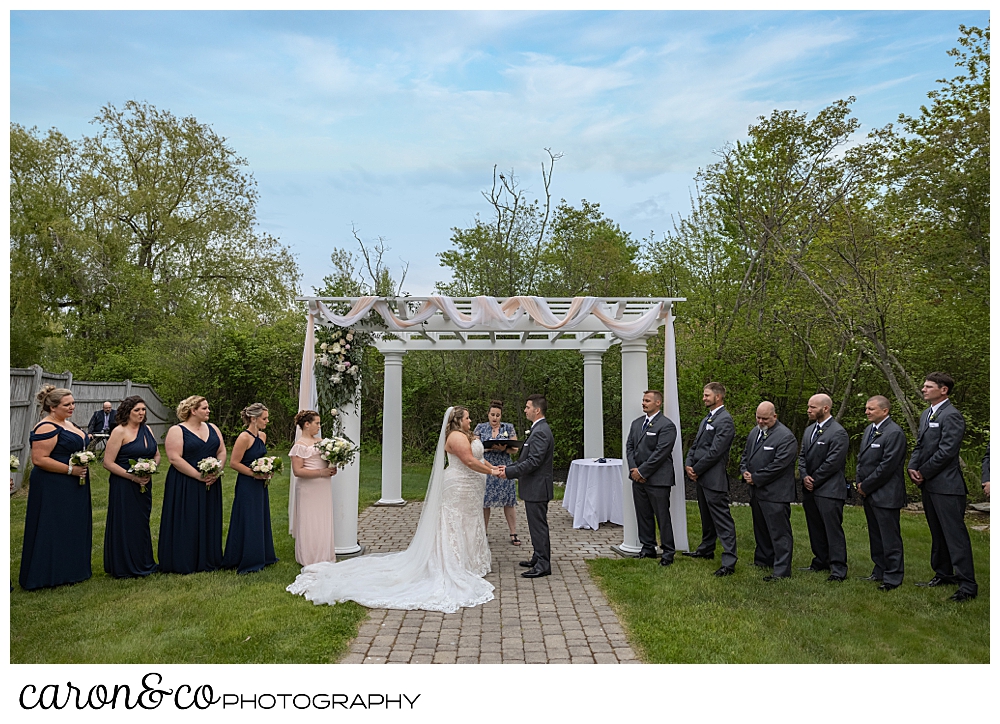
x=635, y=381
x=345, y=486
x=392, y=429
x=593, y=404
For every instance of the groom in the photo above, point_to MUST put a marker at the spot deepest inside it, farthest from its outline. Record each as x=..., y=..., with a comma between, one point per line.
x=533, y=470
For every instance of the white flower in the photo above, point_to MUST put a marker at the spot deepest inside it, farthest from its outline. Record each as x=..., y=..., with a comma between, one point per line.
x=340, y=367
x=335, y=379
x=350, y=337
x=324, y=346
x=335, y=349
x=334, y=412
x=353, y=371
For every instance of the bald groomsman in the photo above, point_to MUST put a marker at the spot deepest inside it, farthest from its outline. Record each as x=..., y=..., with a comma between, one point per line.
x=768, y=467
x=822, y=457
x=706, y=465
x=934, y=466
x=880, y=484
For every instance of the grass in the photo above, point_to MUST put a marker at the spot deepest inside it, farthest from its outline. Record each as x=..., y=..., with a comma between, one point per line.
x=683, y=614
x=217, y=617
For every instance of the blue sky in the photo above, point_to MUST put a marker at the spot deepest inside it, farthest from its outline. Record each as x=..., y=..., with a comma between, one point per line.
x=392, y=121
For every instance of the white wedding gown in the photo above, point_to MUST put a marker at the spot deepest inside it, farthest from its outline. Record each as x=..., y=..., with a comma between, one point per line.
x=443, y=567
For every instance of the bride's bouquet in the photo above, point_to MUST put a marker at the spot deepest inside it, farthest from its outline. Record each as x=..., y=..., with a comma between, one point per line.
x=142, y=468
x=336, y=450
x=267, y=466
x=14, y=463
x=83, y=458
x=209, y=466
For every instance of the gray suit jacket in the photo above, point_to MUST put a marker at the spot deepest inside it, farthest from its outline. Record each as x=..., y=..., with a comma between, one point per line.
x=824, y=459
x=533, y=468
x=652, y=452
x=880, y=466
x=936, y=453
x=772, y=463
x=709, y=453
x=986, y=465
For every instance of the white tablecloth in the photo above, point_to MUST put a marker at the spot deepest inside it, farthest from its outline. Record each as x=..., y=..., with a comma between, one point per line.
x=594, y=493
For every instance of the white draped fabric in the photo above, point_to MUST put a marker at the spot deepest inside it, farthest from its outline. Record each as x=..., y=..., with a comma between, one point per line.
x=308, y=399
x=488, y=312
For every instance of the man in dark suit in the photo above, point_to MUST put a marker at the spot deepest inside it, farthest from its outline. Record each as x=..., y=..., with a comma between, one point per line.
x=649, y=453
x=706, y=465
x=934, y=466
x=533, y=471
x=102, y=421
x=822, y=457
x=768, y=467
x=986, y=471
x=880, y=484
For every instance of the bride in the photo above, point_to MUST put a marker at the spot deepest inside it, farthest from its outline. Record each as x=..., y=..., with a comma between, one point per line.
x=443, y=568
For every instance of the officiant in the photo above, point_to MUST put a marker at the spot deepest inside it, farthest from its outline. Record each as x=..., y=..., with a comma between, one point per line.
x=499, y=491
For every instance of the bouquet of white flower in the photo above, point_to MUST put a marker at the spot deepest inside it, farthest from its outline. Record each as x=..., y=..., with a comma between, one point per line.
x=268, y=466
x=82, y=458
x=336, y=450
x=142, y=468
x=209, y=466
x=14, y=463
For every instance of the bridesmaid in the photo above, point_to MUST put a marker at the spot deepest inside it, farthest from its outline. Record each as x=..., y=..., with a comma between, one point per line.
x=249, y=544
x=128, y=545
x=499, y=491
x=58, y=529
x=191, y=522
x=313, y=530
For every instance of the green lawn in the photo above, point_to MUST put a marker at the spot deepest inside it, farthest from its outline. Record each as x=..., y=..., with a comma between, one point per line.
x=683, y=614
x=217, y=617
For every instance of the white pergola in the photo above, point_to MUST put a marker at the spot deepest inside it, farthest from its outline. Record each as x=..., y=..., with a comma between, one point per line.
x=589, y=326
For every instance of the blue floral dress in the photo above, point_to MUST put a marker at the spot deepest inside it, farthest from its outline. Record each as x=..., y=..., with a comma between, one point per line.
x=500, y=493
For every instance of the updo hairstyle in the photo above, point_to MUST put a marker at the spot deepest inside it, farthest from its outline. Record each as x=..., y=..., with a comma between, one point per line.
x=455, y=423
x=125, y=409
x=495, y=403
x=188, y=405
x=50, y=396
x=304, y=417
x=252, y=412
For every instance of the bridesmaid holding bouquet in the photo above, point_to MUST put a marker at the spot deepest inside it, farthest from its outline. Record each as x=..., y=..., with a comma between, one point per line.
x=313, y=531
x=191, y=522
x=58, y=528
x=249, y=544
x=128, y=545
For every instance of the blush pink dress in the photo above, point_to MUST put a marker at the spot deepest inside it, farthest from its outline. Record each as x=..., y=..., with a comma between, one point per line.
x=313, y=531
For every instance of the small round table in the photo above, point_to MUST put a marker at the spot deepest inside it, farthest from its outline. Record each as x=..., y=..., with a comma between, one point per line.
x=594, y=493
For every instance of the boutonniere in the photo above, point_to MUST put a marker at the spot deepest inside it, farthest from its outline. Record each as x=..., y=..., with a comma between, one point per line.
x=766, y=432
x=932, y=417
x=877, y=432
x=820, y=431
x=526, y=433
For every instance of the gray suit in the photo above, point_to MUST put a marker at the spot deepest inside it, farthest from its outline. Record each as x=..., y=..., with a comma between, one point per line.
x=651, y=452
x=986, y=465
x=533, y=471
x=823, y=455
x=943, y=493
x=771, y=462
x=880, y=477
x=708, y=456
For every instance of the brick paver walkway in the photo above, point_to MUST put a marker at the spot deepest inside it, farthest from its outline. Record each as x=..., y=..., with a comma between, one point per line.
x=560, y=619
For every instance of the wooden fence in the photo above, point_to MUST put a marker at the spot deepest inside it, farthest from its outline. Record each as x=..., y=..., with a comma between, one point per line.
x=90, y=396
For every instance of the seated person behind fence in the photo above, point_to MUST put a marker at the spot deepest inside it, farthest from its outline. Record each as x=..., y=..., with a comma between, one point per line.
x=102, y=421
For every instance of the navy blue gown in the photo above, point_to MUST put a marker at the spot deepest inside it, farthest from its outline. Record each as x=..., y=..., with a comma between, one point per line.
x=58, y=528
x=249, y=544
x=191, y=521
x=128, y=545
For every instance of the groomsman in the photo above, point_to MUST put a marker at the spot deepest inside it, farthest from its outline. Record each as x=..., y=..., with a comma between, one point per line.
x=706, y=465
x=880, y=483
x=649, y=450
x=986, y=471
x=934, y=466
x=822, y=457
x=768, y=467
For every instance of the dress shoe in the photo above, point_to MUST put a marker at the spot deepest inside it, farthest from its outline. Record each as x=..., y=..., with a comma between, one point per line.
x=725, y=571
x=771, y=579
x=937, y=581
x=527, y=564
x=696, y=554
x=959, y=596
x=535, y=573
x=888, y=586
x=872, y=577
x=647, y=554
x=839, y=579
x=813, y=568
x=666, y=561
